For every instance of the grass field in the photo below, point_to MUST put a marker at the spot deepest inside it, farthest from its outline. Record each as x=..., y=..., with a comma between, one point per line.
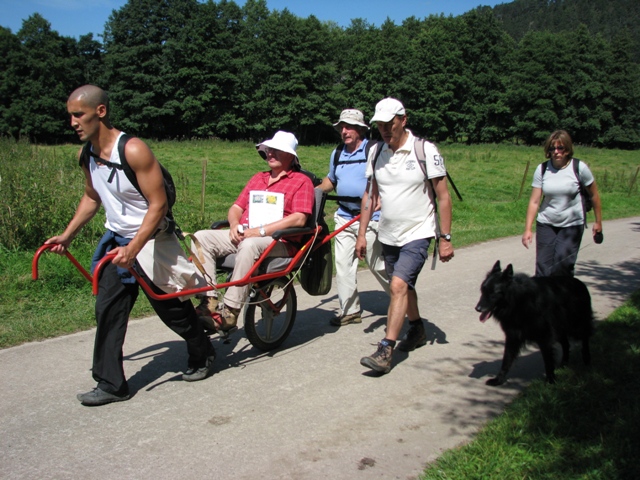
x=493, y=179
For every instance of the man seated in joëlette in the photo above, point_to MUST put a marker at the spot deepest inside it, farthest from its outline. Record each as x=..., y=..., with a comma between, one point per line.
x=248, y=237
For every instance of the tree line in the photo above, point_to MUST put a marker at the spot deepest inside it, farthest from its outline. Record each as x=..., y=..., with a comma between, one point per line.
x=182, y=69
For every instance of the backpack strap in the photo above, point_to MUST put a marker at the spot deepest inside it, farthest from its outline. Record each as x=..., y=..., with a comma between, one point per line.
x=373, y=164
x=340, y=148
x=336, y=162
x=378, y=152
x=336, y=156
x=543, y=167
x=422, y=161
x=582, y=190
x=576, y=163
x=87, y=153
x=126, y=168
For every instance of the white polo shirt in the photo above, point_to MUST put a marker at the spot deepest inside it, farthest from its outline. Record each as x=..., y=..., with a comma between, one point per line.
x=407, y=207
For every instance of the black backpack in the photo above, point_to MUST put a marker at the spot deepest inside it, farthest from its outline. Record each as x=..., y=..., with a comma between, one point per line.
x=338, y=152
x=169, y=185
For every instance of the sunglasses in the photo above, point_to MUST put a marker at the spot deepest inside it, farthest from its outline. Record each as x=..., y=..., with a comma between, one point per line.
x=273, y=152
x=560, y=148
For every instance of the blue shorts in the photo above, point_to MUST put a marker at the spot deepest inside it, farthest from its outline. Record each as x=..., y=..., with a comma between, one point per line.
x=406, y=262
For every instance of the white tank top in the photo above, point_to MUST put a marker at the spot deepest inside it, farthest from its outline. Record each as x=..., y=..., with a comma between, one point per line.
x=125, y=207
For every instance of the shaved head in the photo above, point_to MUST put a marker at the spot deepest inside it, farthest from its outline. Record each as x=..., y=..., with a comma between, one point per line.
x=91, y=96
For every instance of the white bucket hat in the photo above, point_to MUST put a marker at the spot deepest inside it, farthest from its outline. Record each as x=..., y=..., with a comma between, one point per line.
x=386, y=109
x=352, y=117
x=283, y=141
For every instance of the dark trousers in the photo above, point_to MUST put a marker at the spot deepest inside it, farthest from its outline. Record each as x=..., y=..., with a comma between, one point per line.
x=113, y=306
x=557, y=249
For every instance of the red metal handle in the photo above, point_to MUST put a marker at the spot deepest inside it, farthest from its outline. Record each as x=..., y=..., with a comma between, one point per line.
x=48, y=246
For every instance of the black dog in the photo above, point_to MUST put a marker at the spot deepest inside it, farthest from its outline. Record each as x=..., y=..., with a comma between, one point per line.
x=540, y=310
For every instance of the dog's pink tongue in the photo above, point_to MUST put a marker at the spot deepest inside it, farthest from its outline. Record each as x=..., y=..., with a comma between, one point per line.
x=484, y=316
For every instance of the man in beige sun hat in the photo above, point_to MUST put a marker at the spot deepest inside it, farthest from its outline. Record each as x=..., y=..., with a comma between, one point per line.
x=347, y=177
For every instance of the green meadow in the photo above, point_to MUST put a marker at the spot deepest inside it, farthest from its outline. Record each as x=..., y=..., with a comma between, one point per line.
x=40, y=187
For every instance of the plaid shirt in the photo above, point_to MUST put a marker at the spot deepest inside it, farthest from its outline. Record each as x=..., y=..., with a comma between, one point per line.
x=296, y=187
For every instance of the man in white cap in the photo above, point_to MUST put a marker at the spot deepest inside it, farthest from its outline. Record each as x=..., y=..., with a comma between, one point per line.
x=408, y=223
x=347, y=177
x=250, y=235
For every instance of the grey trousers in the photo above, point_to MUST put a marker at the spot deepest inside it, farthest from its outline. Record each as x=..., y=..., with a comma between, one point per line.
x=557, y=249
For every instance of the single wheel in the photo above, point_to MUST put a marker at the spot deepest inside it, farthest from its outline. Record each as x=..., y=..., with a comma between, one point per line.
x=268, y=325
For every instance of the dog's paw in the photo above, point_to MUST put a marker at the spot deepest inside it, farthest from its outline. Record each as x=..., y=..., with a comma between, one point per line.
x=494, y=382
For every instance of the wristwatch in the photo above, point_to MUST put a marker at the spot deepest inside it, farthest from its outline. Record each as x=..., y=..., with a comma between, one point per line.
x=262, y=231
x=445, y=236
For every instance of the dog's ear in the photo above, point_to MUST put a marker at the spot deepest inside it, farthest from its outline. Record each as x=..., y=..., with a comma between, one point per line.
x=508, y=272
x=496, y=267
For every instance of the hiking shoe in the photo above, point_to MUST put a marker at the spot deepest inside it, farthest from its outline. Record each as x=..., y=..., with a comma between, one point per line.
x=415, y=337
x=343, y=320
x=194, y=374
x=380, y=361
x=97, y=397
x=207, y=306
x=226, y=317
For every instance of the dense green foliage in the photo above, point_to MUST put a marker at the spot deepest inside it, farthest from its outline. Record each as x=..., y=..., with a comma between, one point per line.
x=605, y=17
x=584, y=427
x=180, y=69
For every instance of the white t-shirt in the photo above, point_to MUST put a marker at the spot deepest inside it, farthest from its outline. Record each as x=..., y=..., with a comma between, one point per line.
x=125, y=208
x=562, y=204
x=407, y=207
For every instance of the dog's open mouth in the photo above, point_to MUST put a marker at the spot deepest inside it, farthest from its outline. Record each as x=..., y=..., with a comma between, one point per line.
x=485, y=315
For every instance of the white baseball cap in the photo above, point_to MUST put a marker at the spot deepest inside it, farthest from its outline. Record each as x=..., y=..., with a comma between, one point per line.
x=352, y=117
x=386, y=109
x=283, y=141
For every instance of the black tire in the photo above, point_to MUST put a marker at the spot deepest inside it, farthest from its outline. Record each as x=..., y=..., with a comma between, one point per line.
x=268, y=331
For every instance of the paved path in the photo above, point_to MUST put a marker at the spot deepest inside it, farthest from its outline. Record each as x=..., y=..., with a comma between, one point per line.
x=307, y=411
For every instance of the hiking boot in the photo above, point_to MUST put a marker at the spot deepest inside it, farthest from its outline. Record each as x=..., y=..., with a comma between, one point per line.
x=226, y=317
x=97, y=397
x=207, y=306
x=380, y=361
x=343, y=320
x=194, y=374
x=415, y=337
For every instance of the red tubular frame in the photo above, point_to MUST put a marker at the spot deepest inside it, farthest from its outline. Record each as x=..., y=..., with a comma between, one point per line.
x=246, y=280
x=48, y=246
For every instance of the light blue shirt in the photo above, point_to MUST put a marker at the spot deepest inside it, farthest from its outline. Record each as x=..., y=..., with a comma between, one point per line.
x=350, y=180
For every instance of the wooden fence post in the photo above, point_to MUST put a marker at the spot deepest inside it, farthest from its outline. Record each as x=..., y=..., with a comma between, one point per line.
x=524, y=177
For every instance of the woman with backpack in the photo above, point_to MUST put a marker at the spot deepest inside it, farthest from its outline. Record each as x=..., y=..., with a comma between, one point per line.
x=564, y=189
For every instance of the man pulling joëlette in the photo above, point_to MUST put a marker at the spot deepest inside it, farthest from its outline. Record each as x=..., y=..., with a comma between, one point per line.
x=135, y=236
